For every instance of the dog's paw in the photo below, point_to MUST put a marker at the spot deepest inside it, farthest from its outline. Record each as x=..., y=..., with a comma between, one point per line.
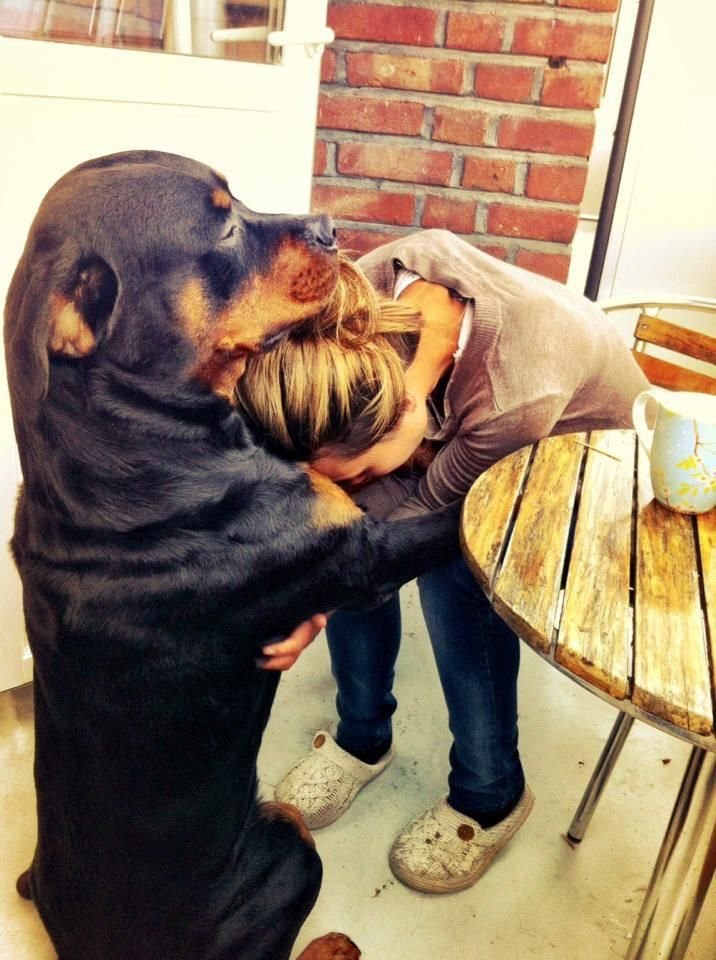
x=24, y=885
x=332, y=946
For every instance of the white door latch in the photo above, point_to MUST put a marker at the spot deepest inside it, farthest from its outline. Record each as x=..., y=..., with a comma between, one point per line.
x=313, y=42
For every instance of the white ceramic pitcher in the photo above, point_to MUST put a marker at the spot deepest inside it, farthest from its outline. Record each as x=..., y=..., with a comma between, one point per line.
x=681, y=447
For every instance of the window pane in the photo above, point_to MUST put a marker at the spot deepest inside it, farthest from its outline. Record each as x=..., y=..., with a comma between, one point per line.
x=172, y=26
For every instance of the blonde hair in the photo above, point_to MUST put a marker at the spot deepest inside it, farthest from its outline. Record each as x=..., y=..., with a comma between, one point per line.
x=339, y=380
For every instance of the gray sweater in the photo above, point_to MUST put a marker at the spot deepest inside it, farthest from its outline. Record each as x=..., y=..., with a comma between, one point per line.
x=540, y=360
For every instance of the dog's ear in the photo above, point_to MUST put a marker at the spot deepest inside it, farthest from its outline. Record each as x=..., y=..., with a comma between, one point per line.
x=77, y=313
x=57, y=306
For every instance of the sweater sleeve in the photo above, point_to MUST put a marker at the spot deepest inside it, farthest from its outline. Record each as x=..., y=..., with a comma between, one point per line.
x=381, y=497
x=473, y=450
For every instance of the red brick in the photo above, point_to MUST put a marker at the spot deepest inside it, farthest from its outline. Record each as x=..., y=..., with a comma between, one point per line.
x=494, y=251
x=549, y=181
x=450, y=214
x=404, y=73
x=460, y=125
x=357, y=242
x=596, y=6
x=475, y=31
x=487, y=173
x=328, y=65
x=559, y=38
x=546, y=136
x=565, y=88
x=339, y=111
x=381, y=206
x=357, y=21
x=498, y=81
x=408, y=164
x=554, y=265
x=533, y=223
x=320, y=157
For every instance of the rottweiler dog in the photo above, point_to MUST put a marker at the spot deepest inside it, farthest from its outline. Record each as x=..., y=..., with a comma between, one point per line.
x=159, y=546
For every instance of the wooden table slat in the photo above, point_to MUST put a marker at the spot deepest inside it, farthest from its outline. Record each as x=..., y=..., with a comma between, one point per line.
x=671, y=668
x=595, y=634
x=488, y=511
x=527, y=587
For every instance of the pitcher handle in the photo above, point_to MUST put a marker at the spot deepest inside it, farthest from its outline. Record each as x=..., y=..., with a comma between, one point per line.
x=644, y=432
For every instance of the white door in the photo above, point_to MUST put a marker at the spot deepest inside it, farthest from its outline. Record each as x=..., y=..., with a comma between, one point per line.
x=233, y=84
x=664, y=232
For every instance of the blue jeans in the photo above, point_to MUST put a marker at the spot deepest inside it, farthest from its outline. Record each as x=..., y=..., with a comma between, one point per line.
x=477, y=657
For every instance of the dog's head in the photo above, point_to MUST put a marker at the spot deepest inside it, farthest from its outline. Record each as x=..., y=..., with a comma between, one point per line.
x=147, y=260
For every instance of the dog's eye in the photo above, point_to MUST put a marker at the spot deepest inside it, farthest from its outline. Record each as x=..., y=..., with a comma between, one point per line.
x=229, y=235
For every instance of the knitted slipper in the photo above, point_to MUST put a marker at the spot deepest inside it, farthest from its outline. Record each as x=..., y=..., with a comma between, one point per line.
x=324, y=784
x=444, y=851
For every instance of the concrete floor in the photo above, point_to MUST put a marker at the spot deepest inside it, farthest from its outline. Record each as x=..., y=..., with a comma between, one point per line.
x=540, y=898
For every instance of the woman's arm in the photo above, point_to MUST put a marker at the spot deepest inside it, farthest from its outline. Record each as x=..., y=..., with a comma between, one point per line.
x=461, y=461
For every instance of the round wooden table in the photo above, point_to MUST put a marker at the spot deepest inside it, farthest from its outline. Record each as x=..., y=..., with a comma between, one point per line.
x=618, y=593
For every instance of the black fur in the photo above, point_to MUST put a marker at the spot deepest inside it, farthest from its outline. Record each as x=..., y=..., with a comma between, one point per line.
x=159, y=546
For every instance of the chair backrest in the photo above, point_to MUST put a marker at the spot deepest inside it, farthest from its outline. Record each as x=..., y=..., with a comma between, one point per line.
x=667, y=368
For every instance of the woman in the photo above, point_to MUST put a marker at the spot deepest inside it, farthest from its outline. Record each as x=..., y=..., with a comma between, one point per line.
x=505, y=358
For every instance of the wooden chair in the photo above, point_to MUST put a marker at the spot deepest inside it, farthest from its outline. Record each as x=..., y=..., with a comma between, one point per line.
x=676, y=357
x=674, y=342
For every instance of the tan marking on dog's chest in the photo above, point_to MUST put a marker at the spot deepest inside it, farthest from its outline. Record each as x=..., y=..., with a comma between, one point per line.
x=333, y=507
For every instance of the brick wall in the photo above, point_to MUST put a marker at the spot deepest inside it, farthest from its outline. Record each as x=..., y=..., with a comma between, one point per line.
x=471, y=115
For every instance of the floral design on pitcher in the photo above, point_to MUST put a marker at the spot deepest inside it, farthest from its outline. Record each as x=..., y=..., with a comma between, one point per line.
x=681, y=447
x=704, y=480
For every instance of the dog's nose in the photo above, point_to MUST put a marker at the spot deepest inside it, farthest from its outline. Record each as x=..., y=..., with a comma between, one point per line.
x=321, y=230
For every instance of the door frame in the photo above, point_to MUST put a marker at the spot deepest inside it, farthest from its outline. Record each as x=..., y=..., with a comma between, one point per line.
x=56, y=71
x=72, y=71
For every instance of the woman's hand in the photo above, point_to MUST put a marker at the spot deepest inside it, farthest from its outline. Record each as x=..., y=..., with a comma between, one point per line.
x=282, y=655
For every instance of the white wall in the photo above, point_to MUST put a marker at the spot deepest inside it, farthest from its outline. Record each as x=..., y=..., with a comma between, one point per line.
x=664, y=232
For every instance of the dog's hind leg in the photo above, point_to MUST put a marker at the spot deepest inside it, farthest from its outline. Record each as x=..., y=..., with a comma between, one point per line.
x=332, y=946
x=24, y=884
x=280, y=875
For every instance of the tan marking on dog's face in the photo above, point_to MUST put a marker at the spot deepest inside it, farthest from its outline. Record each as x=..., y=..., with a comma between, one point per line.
x=221, y=199
x=298, y=283
x=333, y=507
x=222, y=362
x=68, y=332
x=194, y=310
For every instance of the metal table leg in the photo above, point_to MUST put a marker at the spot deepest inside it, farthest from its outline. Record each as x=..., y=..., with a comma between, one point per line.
x=684, y=868
x=598, y=781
